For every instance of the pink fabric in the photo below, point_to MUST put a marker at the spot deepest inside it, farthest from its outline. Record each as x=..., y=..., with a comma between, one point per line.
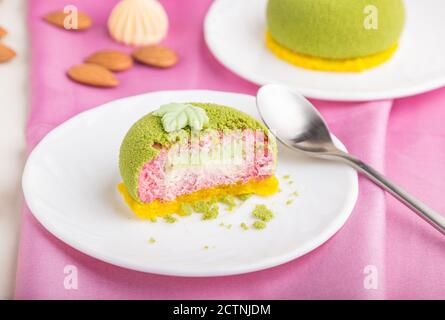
x=405, y=138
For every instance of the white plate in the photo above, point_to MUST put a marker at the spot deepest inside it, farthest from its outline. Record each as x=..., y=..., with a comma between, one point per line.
x=70, y=186
x=234, y=31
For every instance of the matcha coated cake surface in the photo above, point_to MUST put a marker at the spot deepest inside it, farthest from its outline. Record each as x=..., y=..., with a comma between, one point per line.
x=335, y=29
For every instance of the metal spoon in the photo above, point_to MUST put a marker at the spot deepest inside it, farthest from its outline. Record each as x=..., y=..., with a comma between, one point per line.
x=297, y=124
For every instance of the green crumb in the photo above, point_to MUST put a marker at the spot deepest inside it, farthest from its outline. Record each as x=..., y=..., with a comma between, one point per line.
x=244, y=197
x=222, y=224
x=206, y=247
x=259, y=225
x=229, y=226
x=152, y=240
x=244, y=226
x=170, y=219
x=209, y=208
x=185, y=209
x=262, y=212
x=290, y=201
x=286, y=177
x=203, y=206
x=213, y=200
x=211, y=213
x=290, y=182
x=295, y=194
x=228, y=200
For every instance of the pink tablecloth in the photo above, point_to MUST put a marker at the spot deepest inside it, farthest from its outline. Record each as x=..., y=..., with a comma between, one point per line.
x=405, y=138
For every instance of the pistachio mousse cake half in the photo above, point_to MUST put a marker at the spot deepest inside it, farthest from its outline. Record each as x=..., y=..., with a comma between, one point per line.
x=334, y=35
x=187, y=152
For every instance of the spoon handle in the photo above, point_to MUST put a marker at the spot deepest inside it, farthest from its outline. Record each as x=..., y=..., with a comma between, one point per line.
x=425, y=212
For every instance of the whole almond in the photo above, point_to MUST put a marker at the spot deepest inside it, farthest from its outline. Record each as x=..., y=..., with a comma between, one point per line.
x=6, y=53
x=57, y=18
x=156, y=56
x=3, y=32
x=92, y=75
x=112, y=60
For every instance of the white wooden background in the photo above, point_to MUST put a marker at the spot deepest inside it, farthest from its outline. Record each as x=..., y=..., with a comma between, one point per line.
x=14, y=82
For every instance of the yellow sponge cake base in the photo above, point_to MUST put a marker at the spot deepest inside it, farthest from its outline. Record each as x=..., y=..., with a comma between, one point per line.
x=315, y=63
x=157, y=208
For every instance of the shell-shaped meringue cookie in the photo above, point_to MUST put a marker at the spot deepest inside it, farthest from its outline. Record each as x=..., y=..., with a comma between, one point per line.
x=138, y=22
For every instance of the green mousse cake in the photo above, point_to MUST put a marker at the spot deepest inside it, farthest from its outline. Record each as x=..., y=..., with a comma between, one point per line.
x=334, y=31
x=148, y=138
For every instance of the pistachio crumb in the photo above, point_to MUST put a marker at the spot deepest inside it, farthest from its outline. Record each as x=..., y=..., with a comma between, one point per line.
x=152, y=240
x=244, y=226
x=290, y=201
x=286, y=177
x=201, y=206
x=228, y=200
x=208, y=208
x=170, y=219
x=185, y=209
x=244, y=197
x=211, y=213
x=229, y=226
x=259, y=225
x=206, y=247
x=262, y=212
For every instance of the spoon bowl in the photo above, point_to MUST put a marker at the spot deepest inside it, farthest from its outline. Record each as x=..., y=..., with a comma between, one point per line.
x=297, y=124
x=300, y=127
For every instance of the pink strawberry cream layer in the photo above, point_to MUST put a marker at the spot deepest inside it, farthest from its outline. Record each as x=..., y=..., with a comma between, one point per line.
x=208, y=161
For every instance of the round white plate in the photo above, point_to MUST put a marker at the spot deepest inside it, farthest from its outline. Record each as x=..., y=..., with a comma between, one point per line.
x=70, y=182
x=234, y=31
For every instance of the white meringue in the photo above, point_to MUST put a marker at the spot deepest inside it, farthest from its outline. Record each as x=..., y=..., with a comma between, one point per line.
x=138, y=22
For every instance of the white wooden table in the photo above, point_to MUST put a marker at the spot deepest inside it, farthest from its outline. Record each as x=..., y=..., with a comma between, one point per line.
x=14, y=83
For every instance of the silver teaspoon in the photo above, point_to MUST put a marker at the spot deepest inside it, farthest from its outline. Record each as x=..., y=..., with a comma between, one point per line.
x=298, y=125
